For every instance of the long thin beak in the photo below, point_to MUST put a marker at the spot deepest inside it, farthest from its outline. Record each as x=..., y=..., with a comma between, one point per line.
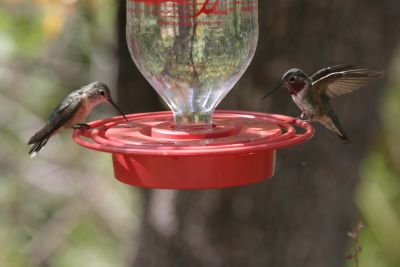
x=109, y=99
x=273, y=90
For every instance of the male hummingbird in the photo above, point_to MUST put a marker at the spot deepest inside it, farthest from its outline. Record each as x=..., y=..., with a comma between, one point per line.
x=313, y=94
x=70, y=113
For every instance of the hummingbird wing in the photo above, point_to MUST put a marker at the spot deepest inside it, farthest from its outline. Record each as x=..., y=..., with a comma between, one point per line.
x=326, y=71
x=62, y=114
x=344, y=82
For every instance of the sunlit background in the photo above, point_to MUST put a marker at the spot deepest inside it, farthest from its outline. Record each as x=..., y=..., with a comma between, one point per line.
x=64, y=208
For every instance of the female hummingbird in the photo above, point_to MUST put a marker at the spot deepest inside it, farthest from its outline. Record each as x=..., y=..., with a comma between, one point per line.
x=313, y=94
x=70, y=113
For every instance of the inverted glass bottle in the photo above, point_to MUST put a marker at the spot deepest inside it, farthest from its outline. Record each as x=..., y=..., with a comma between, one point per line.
x=192, y=51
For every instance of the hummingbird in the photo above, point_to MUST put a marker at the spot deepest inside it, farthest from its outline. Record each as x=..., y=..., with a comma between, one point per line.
x=70, y=113
x=313, y=94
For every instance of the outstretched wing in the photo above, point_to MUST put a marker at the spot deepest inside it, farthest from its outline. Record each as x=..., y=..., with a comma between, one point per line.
x=326, y=71
x=344, y=82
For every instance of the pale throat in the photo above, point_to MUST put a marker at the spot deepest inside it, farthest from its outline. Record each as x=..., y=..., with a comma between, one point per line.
x=87, y=105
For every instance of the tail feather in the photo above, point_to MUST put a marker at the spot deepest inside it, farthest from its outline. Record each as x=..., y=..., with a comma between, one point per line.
x=344, y=138
x=39, y=139
x=333, y=124
x=37, y=147
x=42, y=134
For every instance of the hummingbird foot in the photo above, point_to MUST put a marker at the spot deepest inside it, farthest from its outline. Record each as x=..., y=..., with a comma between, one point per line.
x=83, y=127
x=302, y=117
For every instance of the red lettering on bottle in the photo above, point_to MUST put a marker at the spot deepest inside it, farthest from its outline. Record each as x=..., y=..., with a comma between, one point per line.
x=207, y=8
x=159, y=2
x=211, y=10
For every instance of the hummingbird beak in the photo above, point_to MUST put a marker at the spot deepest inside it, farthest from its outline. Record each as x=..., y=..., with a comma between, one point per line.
x=109, y=99
x=273, y=90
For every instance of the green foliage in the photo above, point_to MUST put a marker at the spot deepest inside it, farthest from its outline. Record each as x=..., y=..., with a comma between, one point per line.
x=61, y=208
x=378, y=205
x=22, y=27
x=379, y=193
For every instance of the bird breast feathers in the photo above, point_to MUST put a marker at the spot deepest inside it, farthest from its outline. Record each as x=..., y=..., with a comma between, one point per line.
x=302, y=103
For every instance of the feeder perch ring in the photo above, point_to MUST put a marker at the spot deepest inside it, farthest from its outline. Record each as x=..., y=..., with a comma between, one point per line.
x=238, y=149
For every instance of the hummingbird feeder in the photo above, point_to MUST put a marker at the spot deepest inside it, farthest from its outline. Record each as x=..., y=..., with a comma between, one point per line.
x=193, y=52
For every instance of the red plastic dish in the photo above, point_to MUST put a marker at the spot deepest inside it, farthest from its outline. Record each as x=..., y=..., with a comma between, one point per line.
x=239, y=149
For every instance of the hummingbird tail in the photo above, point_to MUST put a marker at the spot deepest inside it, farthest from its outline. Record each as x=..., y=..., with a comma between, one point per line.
x=39, y=139
x=332, y=123
x=340, y=131
x=37, y=147
x=344, y=138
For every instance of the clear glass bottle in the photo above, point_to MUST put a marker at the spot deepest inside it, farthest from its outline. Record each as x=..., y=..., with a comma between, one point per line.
x=192, y=51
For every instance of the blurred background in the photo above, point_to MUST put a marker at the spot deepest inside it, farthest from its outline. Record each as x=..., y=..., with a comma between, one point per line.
x=64, y=208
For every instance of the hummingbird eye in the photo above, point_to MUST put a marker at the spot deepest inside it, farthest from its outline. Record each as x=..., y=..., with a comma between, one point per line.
x=292, y=78
x=102, y=93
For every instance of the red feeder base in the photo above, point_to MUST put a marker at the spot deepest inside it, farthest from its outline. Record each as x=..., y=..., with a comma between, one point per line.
x=239, y=149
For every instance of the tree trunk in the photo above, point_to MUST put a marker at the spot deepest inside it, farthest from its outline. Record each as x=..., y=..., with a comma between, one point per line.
x=134, y=93
x=299, y=217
